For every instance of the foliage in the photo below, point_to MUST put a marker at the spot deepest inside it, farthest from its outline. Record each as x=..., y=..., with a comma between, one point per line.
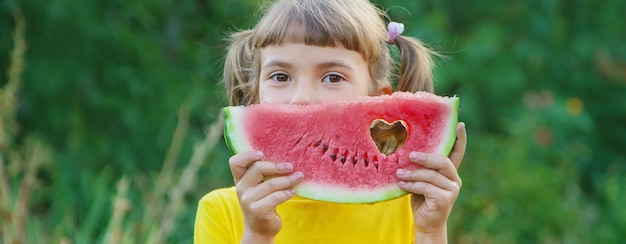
x=117, y=93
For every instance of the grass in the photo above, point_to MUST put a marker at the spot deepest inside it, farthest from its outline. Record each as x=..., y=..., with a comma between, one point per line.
x=21, y=162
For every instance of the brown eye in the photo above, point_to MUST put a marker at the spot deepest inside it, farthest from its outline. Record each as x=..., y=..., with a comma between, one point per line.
x=333, y=78
x=280, y=77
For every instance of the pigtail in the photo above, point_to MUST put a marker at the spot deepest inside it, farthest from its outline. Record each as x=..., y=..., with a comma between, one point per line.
x=238, y=72
x=416, y=65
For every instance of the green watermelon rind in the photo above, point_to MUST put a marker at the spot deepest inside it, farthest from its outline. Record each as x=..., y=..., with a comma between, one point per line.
x=446, y=148
x=348, y=195
x=236, y=140
x=234, y=135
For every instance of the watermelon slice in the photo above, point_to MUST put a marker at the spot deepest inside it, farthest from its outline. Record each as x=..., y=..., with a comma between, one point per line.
x=348, y=151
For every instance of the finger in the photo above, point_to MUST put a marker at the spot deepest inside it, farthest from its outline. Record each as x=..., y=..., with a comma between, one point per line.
x=240, y=162
x=271, y=201
x=272, y=185
x=429, y=191
x=258, y=171
x=428, y=176
x=436, y=162
x=458, y=151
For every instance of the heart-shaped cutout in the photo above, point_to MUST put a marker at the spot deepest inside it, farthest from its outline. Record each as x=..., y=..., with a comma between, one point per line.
x=388, y=137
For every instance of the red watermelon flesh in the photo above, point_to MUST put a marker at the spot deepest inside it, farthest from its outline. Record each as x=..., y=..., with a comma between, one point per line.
x=331, y=143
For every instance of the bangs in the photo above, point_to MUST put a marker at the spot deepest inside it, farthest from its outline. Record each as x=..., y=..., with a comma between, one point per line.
x=324, y=24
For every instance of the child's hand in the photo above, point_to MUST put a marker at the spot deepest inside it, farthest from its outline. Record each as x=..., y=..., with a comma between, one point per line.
x=259, y=198
x=435, y=187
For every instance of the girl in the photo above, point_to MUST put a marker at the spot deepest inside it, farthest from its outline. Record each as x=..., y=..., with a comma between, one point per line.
x=311, y=51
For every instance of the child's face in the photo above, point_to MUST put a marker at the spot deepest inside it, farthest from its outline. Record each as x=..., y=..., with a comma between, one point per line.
x=301, y=74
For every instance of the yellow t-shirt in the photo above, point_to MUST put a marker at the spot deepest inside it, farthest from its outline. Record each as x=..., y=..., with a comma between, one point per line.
x=219, y=220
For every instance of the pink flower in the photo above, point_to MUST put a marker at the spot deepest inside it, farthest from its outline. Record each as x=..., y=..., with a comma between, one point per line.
x=394, y=29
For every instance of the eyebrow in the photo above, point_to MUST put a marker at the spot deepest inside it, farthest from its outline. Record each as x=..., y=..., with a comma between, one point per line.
x=329, y=64
x=277, y=63
x=335, y=63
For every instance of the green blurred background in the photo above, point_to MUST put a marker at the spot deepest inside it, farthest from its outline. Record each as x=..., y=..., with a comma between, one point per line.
x=90, y=149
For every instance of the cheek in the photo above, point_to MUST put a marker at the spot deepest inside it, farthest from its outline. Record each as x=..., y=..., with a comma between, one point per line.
x=361, y=89
x=350, y=92
x=264, y=94
x=267, y=94
x=366, y=87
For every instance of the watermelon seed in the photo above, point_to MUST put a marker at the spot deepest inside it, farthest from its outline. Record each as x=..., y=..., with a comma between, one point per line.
x=366, y=160
x=355, y=160
x=325, y=148
x=299, y=139
x=318, y=143
x=334, y=155
x=344, y=157
x=375, y=161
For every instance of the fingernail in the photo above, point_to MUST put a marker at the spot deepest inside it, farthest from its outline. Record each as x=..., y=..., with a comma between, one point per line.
x=401, y=172
x=299, y=175
x=292, y=191
x=416, y=156
x=402, y=183
x=287, y=166
x=259, y=154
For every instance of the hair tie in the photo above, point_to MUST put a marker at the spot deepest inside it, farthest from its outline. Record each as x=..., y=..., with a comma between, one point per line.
x=394, y=29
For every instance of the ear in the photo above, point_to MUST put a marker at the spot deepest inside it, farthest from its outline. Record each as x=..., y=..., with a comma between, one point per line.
x=384, y=89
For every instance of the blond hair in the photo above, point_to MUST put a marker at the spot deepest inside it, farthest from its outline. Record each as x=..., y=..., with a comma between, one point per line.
x=355, y=24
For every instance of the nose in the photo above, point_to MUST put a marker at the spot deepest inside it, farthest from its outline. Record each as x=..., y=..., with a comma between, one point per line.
x=303, y=93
